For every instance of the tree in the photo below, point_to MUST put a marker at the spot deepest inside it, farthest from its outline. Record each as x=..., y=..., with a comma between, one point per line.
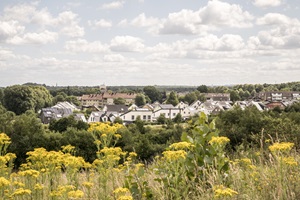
x=178, y=118
x=119, y=101
x=152, y=93
x=20, y=98
x=172, y=99
x=161, y=119
x=140, y=100
x=202, y=89
x=234, y=96
x=190, y=97
x=1, y=96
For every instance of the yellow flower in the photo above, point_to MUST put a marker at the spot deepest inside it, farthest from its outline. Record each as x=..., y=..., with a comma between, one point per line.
x=21, y=191
x=75, y=194
x=289, y=161
x=68, y=149
x=181, y=145
x=4, y=139
x=29, y=172
x=222, y=191
x=38, y=186
x=121, y=191
x=174, y=155
x=118, y=136
x=125, y=198
x=4, y=182
x=87, y=184
x=281, y=147
x=133, y=154
x=219, y=141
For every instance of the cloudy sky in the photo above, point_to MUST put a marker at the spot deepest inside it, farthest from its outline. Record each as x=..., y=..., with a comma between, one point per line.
x=149, y=42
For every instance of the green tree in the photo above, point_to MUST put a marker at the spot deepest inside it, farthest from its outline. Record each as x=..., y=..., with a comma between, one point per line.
x=234, y=96
x=172, y=99
x=152, y=93
x=178, y=118
x=190, y=97
x=20, y=98
x=140, y=100
x=161, y=119
x=202, y=89
x=119, y=101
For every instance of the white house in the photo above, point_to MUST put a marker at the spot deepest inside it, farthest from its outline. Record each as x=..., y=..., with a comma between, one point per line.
x=168, y=110
x=132, y=115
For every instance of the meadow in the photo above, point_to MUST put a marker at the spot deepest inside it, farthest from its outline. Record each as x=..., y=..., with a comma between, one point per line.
x=197, y=167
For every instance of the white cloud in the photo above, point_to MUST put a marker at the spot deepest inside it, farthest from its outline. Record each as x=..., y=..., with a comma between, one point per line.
x=210, y=17
x=126, y=44
x=113, y=5
x=9, y=29
x=81, y=45
x=114, y=58
x=267, y=3
x=143, y=21
x=225, y=14
x=20, y=12
x=34, y=38
x=102, y=23
x=284, y=32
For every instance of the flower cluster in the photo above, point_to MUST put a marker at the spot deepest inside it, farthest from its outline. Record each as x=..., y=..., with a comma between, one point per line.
x=281, y=147
x=222, y=191
x=221, y=141
x=174, y=155
x=181, y=145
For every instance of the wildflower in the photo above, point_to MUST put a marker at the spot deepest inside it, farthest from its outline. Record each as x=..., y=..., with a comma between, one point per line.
x=133, y=154
x=281, y=147
x=118, y=136
x=4, y=139
x=4, y=182
x=68, y=149
x=38, y=186
x=245, y=161
x=87, y=184
x=267, y=141
x=121, y=191
x=222, y=191
x=17, y=183
x=181, y=145
x=30, y=172
x=174, y=155
x=75, y=194
x=125, y=198
x=221, y=141
x=21, y=191
x=289, y=161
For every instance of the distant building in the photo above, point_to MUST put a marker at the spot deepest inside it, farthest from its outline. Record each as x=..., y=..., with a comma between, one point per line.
x=106, y=98
x=217, y=96
x=278, y=96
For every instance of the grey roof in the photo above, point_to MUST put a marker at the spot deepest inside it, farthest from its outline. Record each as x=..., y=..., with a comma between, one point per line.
x=116, y=108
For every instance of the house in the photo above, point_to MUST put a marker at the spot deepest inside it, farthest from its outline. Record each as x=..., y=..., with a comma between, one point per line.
x=106, y=98
x=196, y=104
x=80, y=117
x=189, y=112
x=278, y=95
x=274, y=104
x=168, y=110
x=115, y=108
x=181, y=105
x=131, y=115
x=58, y=111
x=217, y=96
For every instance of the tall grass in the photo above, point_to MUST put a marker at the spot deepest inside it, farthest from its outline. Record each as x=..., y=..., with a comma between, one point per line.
x=195, y=168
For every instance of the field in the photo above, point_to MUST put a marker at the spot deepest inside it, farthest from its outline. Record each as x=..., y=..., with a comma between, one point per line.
x=198, y=167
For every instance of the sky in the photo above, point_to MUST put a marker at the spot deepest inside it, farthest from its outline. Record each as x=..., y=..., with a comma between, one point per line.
x=149, y=42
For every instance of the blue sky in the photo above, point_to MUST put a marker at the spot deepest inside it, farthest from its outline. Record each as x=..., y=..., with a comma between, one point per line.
x=149, y=42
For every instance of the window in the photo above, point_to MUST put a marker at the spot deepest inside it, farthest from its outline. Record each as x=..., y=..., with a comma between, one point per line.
x=132, y=117
x=149, y=117
x=174, y=114
x=144, y=117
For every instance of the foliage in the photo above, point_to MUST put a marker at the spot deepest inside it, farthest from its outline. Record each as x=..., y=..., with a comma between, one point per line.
x=119, y=101
x=140, y=100
x=153, y=93
x=172, y=99
x=64, y=123
x=20, y=98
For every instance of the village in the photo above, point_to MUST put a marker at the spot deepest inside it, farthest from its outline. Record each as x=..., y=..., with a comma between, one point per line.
x=103, y=109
